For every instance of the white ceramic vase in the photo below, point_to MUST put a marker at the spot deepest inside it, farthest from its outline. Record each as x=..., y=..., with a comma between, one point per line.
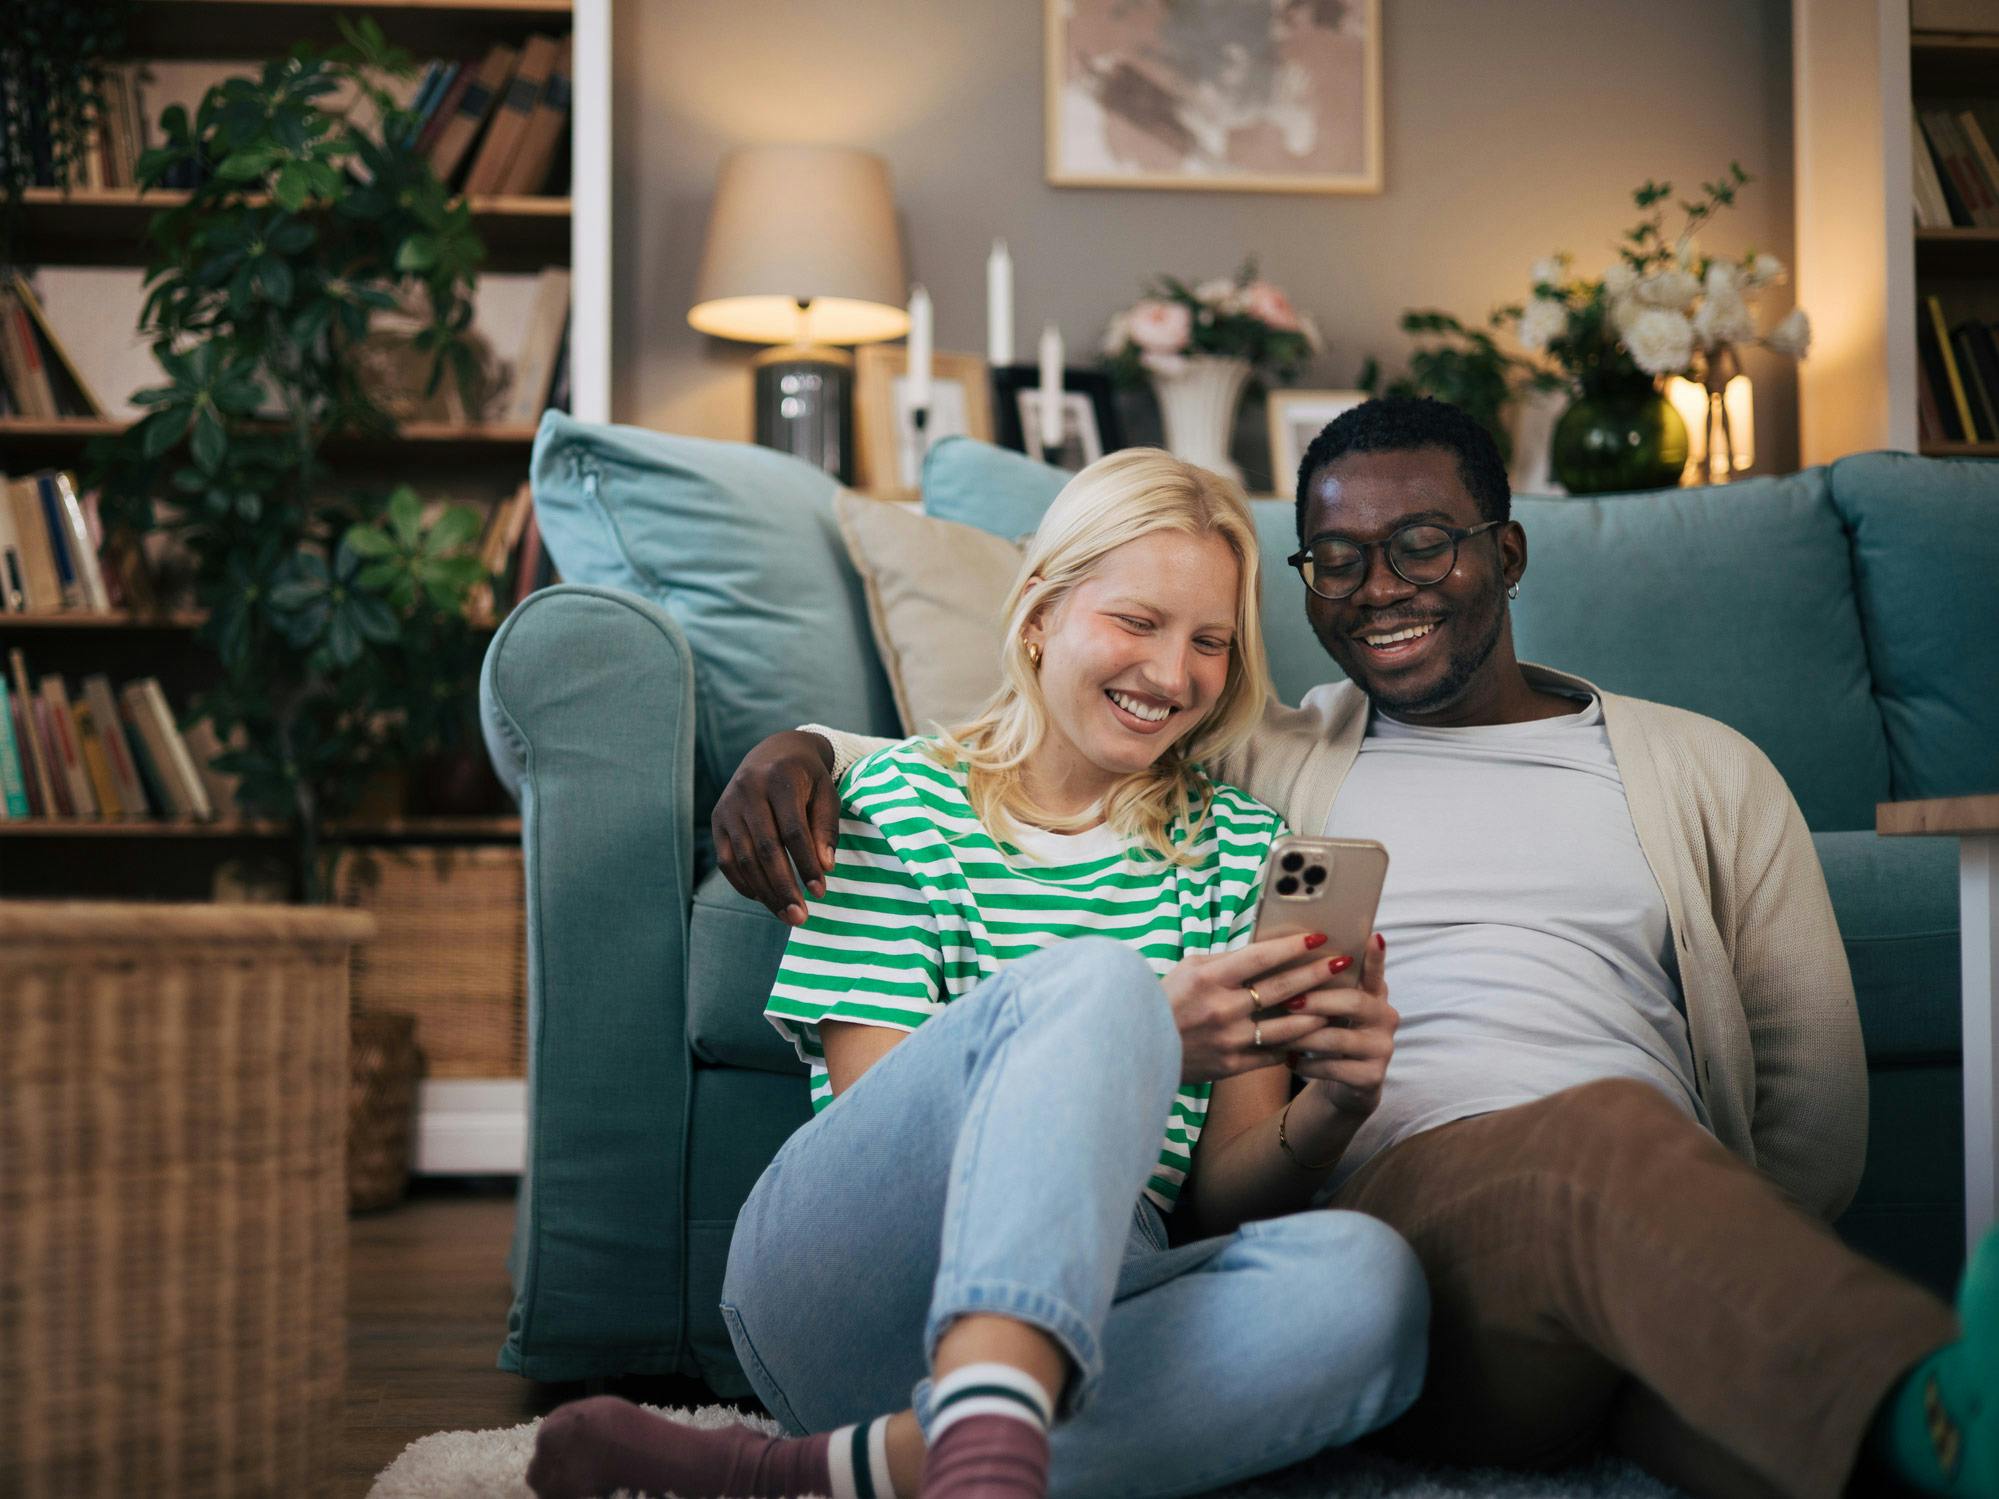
x=1198, y=408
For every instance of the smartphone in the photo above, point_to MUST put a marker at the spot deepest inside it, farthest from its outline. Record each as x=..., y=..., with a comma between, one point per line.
x=1329, y=885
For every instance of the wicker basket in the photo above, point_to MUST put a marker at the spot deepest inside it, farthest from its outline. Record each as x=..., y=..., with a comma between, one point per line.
x=450, y=948
x=173, y=1235
x=381, y=1108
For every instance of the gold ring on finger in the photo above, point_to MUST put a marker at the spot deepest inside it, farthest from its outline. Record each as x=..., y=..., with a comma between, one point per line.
x=1255, y=999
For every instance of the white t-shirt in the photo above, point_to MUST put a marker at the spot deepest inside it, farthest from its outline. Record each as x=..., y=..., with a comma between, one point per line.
x=1529, y=949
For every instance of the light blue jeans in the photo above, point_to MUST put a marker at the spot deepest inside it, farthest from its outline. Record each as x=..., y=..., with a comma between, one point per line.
x=990, y=1163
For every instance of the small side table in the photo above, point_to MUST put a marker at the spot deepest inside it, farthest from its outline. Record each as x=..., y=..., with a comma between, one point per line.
x=1974, y=822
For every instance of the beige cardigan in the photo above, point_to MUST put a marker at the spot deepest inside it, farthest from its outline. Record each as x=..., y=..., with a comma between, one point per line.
x=1770, y=1008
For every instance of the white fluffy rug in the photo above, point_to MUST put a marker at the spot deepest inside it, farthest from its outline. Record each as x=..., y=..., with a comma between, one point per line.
x=491, y=1465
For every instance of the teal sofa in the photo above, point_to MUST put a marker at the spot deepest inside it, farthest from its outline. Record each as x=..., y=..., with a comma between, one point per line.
x=1844, y=618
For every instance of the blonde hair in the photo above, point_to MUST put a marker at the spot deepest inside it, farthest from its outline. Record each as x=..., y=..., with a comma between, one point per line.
x=1114, y=501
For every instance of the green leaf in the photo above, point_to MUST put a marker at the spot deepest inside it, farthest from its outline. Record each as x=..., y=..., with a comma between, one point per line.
x=406, y=517
x=369, y=541
x=161, y=431
x=455, y=528
x=381, y=575
x=373, y=618
x=210, y=442
x=292, y=188
x=416, y=254
x=246, y=166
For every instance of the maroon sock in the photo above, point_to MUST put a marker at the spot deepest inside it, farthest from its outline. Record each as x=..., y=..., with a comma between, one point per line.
x=987, y=1457
x=595, y=1446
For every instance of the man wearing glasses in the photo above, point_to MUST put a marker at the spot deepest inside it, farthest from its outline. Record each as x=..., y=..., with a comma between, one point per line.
x=1628, y=1086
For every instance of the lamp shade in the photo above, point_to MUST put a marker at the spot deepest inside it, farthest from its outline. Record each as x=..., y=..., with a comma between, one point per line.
x=811, y=225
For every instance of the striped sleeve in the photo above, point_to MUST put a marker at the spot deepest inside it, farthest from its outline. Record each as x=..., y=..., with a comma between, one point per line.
x=1244, y=829
x=869, y=951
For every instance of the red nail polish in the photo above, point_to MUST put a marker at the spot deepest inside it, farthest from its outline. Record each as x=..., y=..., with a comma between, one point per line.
x=1316, y=939
x=1295, y=1004
x=1380, y=942
x=1340, y=964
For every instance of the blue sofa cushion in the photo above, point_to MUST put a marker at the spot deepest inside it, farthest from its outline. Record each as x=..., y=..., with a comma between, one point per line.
x=1735, y=601
x=1003, y=492
x=738, y=544
x=1896, y=902
x=733, y=949
x=1931, y=612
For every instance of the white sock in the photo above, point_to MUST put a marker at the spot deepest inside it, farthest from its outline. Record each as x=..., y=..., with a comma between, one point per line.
x=988, y=1390
x=857, y=1462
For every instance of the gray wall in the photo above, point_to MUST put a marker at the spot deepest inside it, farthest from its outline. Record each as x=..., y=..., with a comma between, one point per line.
x=1511, y=130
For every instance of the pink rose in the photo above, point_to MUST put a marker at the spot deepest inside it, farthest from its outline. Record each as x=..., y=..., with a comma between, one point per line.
x=1160, y=327
x=1267, y=304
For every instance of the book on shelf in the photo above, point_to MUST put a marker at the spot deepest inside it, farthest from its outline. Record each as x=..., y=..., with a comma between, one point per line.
x=1951, y=394
x=1932, y=208
x=1982, y=160
x=512, y=115
x=1978, y=397
x=13, y=770
x=42, y=380
x=1978, y=200
x=541, y=346
x=96, y=752
x=1929, y=357
x=534, y=161
x=1929, y=420
x=55, y=557
x=453, y=143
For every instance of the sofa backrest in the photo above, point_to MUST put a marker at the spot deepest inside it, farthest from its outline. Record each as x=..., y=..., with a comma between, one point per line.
x=738, y=544
x=1925, y=542
x=1736, y=602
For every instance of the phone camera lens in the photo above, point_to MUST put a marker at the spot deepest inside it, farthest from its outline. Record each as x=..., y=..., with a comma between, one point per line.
x=1287, y=886
x=1315, y=875
x=1292, y=863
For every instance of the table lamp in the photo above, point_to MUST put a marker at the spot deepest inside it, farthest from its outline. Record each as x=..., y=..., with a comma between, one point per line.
x=803, y=255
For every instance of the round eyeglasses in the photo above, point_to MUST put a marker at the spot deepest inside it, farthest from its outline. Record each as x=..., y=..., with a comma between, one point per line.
x=1334, y=567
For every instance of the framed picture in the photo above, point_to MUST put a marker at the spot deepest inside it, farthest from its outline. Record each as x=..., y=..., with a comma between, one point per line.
x=1296, y=417
x=888, y=450
x=1282, y=97
x=1090, y=426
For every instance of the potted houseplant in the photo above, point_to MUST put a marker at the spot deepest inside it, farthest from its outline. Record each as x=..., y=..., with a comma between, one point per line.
x=1662, y=308
x=1199, y=347
x=337, y=616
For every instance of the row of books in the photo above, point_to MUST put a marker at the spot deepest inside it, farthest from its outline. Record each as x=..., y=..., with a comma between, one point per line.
x=1956, y=172
x=99, y=754
x=1957, y=378
x=54, y=558
x=38, y=379
x=120, y=134
x=493, y=126
x=511, y=551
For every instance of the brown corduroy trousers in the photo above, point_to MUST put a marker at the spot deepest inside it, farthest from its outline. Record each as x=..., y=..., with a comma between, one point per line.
x=1601, y=1268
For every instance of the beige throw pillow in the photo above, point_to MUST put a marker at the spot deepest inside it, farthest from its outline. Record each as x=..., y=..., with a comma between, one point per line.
x=935, y=589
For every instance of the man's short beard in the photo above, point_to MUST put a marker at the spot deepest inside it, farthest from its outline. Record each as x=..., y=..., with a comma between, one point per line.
x=1464, y=666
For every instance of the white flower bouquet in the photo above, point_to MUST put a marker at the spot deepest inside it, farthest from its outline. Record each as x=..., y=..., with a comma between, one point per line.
x=1662, y=308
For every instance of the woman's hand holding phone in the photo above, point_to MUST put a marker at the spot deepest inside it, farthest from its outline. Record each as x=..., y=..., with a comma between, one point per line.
x=1346, y=1056
x=1233, y=1010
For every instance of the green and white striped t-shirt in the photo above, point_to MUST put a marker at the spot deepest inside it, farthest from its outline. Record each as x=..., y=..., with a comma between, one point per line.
x=922, y=905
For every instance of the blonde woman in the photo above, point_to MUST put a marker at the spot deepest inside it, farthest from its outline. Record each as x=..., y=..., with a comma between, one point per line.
x=1037, y=1030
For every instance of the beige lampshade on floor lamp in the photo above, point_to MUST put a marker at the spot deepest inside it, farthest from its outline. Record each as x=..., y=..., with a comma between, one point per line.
x=803, y=254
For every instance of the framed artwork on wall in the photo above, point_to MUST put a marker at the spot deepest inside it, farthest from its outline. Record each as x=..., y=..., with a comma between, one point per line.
x=888, y=451
x=1090, y=425
x=1296, y=417
x=1276, y=98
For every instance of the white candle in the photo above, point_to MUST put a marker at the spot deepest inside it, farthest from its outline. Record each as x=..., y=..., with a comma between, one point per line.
x=999, y=306
x=919, y=349
x=1051, y=388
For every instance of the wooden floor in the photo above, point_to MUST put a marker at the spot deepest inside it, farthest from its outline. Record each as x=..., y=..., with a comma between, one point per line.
x=427, y=1311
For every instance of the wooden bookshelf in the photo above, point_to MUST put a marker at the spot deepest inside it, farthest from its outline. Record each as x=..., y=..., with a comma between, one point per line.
x=107, y=226
x=1957, y=252
x=1961, y=450
x=353, y=830
x=117, y=619
x=28, y=443
x=233, y=30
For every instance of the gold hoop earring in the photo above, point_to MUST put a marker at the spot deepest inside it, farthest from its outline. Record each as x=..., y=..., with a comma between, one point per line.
x=1033, y=654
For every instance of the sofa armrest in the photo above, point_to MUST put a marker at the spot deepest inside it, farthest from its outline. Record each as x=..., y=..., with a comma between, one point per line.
x=587, y=704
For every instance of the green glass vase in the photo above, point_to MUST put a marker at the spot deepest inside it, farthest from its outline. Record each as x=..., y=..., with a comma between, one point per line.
x=1619, y=439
